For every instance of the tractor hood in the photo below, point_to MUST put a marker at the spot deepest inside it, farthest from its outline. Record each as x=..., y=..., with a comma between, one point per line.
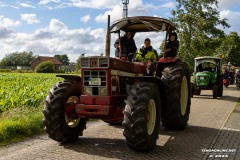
x=204, y=73
x=142, y=24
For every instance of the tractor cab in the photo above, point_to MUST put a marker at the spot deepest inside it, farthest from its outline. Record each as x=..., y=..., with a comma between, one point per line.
x=140, y=24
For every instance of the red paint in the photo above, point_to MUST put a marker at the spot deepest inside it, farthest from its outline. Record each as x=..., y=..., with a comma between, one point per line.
x=167, y=60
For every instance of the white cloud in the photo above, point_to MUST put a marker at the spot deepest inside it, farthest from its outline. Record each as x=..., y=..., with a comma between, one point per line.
x=85, y=18
x=57, y=25
x=29, y=18
x=44, y=2
x=170, y=5
x=96, y=4
x=25, y=5
x=115, y=14
x=233, y=20
x=97, y=33
x=56, y=38
x=6, y=22
x=138, y=8
x=12, y=6
x=6, y=33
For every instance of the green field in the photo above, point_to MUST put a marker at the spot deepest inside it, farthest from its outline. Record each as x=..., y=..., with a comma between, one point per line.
x=24, y=89
x=21, y=102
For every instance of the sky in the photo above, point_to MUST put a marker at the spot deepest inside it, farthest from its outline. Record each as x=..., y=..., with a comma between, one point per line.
x=73, y=27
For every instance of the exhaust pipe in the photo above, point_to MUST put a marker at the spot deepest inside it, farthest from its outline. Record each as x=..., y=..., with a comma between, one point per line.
x=108, y=38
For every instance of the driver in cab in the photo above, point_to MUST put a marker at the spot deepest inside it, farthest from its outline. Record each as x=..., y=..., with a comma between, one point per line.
x=208, y=68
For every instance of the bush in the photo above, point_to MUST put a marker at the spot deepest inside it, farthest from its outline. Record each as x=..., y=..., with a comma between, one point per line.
x=45, y=67
x=22, y=71
x=5, y=70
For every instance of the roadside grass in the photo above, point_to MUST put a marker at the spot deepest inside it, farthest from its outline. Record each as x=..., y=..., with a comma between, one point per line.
x=19, y=123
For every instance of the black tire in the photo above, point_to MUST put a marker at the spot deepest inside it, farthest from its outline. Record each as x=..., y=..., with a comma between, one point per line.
x=220, y=91
x=140, y=135
x=192, y=90
x=215, y=91
x=197, y=91
x=176, y=109
x=55, y=117
x=220, y=87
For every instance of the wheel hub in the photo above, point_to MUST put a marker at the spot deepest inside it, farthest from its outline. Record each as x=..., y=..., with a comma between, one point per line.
x=151, y=116
x=184, y=95
x=70, y=116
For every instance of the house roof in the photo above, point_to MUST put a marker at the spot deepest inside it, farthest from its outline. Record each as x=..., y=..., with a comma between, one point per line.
x=43, y=58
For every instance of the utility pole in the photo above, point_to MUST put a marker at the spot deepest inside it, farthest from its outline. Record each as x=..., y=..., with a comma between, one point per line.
x=125, y=8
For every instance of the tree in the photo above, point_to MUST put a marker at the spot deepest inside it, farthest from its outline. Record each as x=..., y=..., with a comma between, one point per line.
x=197, y=22
x=230, y=49
x=63, y=58
x=18, y=59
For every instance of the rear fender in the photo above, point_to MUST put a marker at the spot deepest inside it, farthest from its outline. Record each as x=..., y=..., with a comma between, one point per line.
x=152, y=79
x=70, y=77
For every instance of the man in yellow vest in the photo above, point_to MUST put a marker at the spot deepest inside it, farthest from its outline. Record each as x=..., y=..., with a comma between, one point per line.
x=146, y=53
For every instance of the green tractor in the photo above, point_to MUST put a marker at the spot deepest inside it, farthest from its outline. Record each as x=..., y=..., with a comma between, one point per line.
x=208, y=76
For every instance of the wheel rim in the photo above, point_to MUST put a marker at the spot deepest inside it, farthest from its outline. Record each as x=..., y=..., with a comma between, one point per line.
x=184, y=95
x=70, y=109
x=151, y=117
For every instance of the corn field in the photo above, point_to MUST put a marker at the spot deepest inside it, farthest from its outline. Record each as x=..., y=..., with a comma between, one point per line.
x=24, y=89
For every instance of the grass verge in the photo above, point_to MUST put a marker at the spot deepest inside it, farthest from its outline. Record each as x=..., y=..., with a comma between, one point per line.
x=19, y=123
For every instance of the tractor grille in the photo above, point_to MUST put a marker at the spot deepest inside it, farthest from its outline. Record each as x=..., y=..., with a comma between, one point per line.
x=95, y=82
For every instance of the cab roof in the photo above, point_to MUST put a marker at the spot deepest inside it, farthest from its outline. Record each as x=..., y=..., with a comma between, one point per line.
x=142, y=24
x=207, y=58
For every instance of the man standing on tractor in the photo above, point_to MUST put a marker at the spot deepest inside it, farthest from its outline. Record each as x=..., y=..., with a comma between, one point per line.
x=127, y=45
x=146, y=53
x=172, y=45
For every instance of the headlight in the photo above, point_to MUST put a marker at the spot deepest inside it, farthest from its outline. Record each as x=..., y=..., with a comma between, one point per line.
x=88, y=91
x=94, y=62
x=102, y=91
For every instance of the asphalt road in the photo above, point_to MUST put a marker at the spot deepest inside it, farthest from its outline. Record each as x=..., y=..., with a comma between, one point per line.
x=214, y=124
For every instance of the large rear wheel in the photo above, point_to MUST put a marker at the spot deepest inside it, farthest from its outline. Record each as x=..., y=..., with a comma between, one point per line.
x=176, y=109
x=60, y=120
x=142, y=116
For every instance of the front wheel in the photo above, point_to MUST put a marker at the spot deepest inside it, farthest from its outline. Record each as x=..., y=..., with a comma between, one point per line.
x=142, y=116
x=60, y=120
x=197, y=91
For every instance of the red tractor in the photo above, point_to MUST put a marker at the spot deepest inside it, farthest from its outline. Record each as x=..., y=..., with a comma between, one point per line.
x=121, y=92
